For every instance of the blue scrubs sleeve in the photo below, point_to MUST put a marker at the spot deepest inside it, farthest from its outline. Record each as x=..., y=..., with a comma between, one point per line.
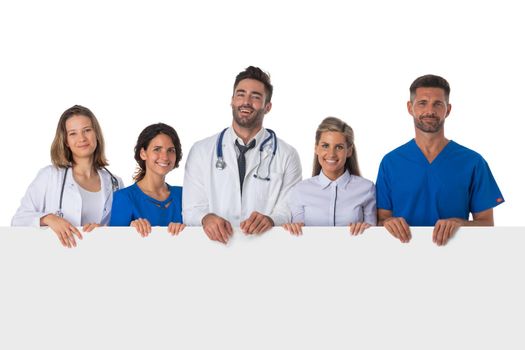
x=383, y=192
x=485, y=190
x=121, y=209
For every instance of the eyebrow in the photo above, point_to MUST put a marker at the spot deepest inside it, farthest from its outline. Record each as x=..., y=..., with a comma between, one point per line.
x=82, y=128
x=253, y=92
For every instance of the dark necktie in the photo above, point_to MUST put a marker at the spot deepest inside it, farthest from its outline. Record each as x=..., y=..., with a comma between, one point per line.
x=241, y=160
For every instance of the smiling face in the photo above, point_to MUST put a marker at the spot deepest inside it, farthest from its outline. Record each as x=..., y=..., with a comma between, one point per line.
x=248, y=104
x=80, y=137
x=332, y=152
x=159, y=157
x=429, y=109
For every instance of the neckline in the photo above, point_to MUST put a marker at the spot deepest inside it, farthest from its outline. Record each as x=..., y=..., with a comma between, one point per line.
x=153, y=199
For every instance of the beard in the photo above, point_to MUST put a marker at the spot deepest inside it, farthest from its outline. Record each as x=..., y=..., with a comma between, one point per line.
x=249, y=122
x=429, y=123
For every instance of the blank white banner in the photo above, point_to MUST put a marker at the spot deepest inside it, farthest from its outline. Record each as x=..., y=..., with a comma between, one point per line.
x=324, y=290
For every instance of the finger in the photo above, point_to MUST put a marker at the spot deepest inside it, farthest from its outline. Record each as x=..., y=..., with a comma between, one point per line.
x=352, y=228
x=364, y=226
x=138, y=228
x=180, y=228
x=70, y=238
x=402, y=230
x=223, y=232
x=392, y=228
x=298, y=229
x=246, y=224
x=449, y=231
x=75, y=231
x=147, y=225
x=262, y=224
x=62, y=239
x=287, y=227
x=406, y=229
x=437, y=233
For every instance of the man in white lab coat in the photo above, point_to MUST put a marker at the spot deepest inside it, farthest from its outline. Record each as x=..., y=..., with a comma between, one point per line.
x=241, y=176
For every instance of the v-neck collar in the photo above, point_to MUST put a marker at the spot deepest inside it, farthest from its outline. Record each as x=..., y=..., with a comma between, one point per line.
x=440, y=155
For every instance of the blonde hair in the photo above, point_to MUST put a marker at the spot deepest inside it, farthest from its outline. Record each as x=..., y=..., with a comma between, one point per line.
x=61, y=155
x=337, y=125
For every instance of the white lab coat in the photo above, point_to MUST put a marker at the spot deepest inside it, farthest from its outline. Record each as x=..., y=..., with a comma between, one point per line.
x=43, y=197
x=210, y=190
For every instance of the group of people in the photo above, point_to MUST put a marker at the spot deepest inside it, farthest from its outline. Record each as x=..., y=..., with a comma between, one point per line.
x=246, y=176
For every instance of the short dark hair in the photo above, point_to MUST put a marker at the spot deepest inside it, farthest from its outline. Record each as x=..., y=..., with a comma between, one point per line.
x=145, y=137
x=430, y=80
x=256, y=73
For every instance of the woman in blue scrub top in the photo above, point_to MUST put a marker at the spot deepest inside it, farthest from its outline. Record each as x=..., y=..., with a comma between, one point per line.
x=336, y=195
x=150, y=201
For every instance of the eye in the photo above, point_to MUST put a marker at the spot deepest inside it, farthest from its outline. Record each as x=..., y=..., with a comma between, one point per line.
x=156, y=149
x=256, y=97
x=72, y=133
x=339, y=147
x=171, y=150
x=324, y=145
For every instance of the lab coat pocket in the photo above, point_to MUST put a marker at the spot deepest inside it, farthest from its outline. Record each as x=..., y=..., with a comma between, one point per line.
x=268, y=191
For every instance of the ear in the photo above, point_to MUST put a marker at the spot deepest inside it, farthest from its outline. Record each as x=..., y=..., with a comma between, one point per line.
x=350, y=151
x=268, y=107
x=409, y=108
x=449, y=108
x=143, y=154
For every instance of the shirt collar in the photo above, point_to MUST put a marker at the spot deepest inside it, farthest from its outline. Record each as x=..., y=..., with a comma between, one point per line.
x=258, y=137
x=325, y=182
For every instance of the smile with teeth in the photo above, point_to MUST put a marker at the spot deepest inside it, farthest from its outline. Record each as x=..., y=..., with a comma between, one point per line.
x=162, y=164
x=245, y=110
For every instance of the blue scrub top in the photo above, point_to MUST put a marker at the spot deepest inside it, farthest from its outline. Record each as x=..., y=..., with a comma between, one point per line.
x=457, y=182
x=131, y=203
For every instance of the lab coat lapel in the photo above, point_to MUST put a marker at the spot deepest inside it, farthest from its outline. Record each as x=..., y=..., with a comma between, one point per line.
x=267, y=151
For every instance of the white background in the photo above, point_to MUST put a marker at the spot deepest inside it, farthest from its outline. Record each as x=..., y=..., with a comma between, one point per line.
x=136, y=63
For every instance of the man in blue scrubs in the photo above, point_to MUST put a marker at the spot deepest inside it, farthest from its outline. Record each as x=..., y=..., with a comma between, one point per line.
x=433, y=181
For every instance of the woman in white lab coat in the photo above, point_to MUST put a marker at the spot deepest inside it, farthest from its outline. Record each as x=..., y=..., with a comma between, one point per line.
x=77, y=189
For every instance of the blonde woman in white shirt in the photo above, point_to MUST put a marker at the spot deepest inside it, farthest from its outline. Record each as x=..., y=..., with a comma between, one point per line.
x=336, y=195
x=77, y=189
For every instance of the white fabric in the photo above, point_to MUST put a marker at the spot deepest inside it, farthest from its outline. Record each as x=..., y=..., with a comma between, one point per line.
x=92, y=206
x=210, y=190
x=319, y=201
x=43, y=197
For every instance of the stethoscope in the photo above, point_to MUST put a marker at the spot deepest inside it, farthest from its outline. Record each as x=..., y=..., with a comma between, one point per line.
x=221, y=164
x=114, y=187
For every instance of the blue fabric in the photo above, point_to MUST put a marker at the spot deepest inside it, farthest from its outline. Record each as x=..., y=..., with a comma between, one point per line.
x=131, y=203
x=456, y=183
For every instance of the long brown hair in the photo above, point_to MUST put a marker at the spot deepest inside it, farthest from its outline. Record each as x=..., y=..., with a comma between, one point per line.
x=337, y=125
x=61, y=155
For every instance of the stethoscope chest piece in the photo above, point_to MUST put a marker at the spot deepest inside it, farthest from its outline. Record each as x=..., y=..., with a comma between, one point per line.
x=220, y=164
